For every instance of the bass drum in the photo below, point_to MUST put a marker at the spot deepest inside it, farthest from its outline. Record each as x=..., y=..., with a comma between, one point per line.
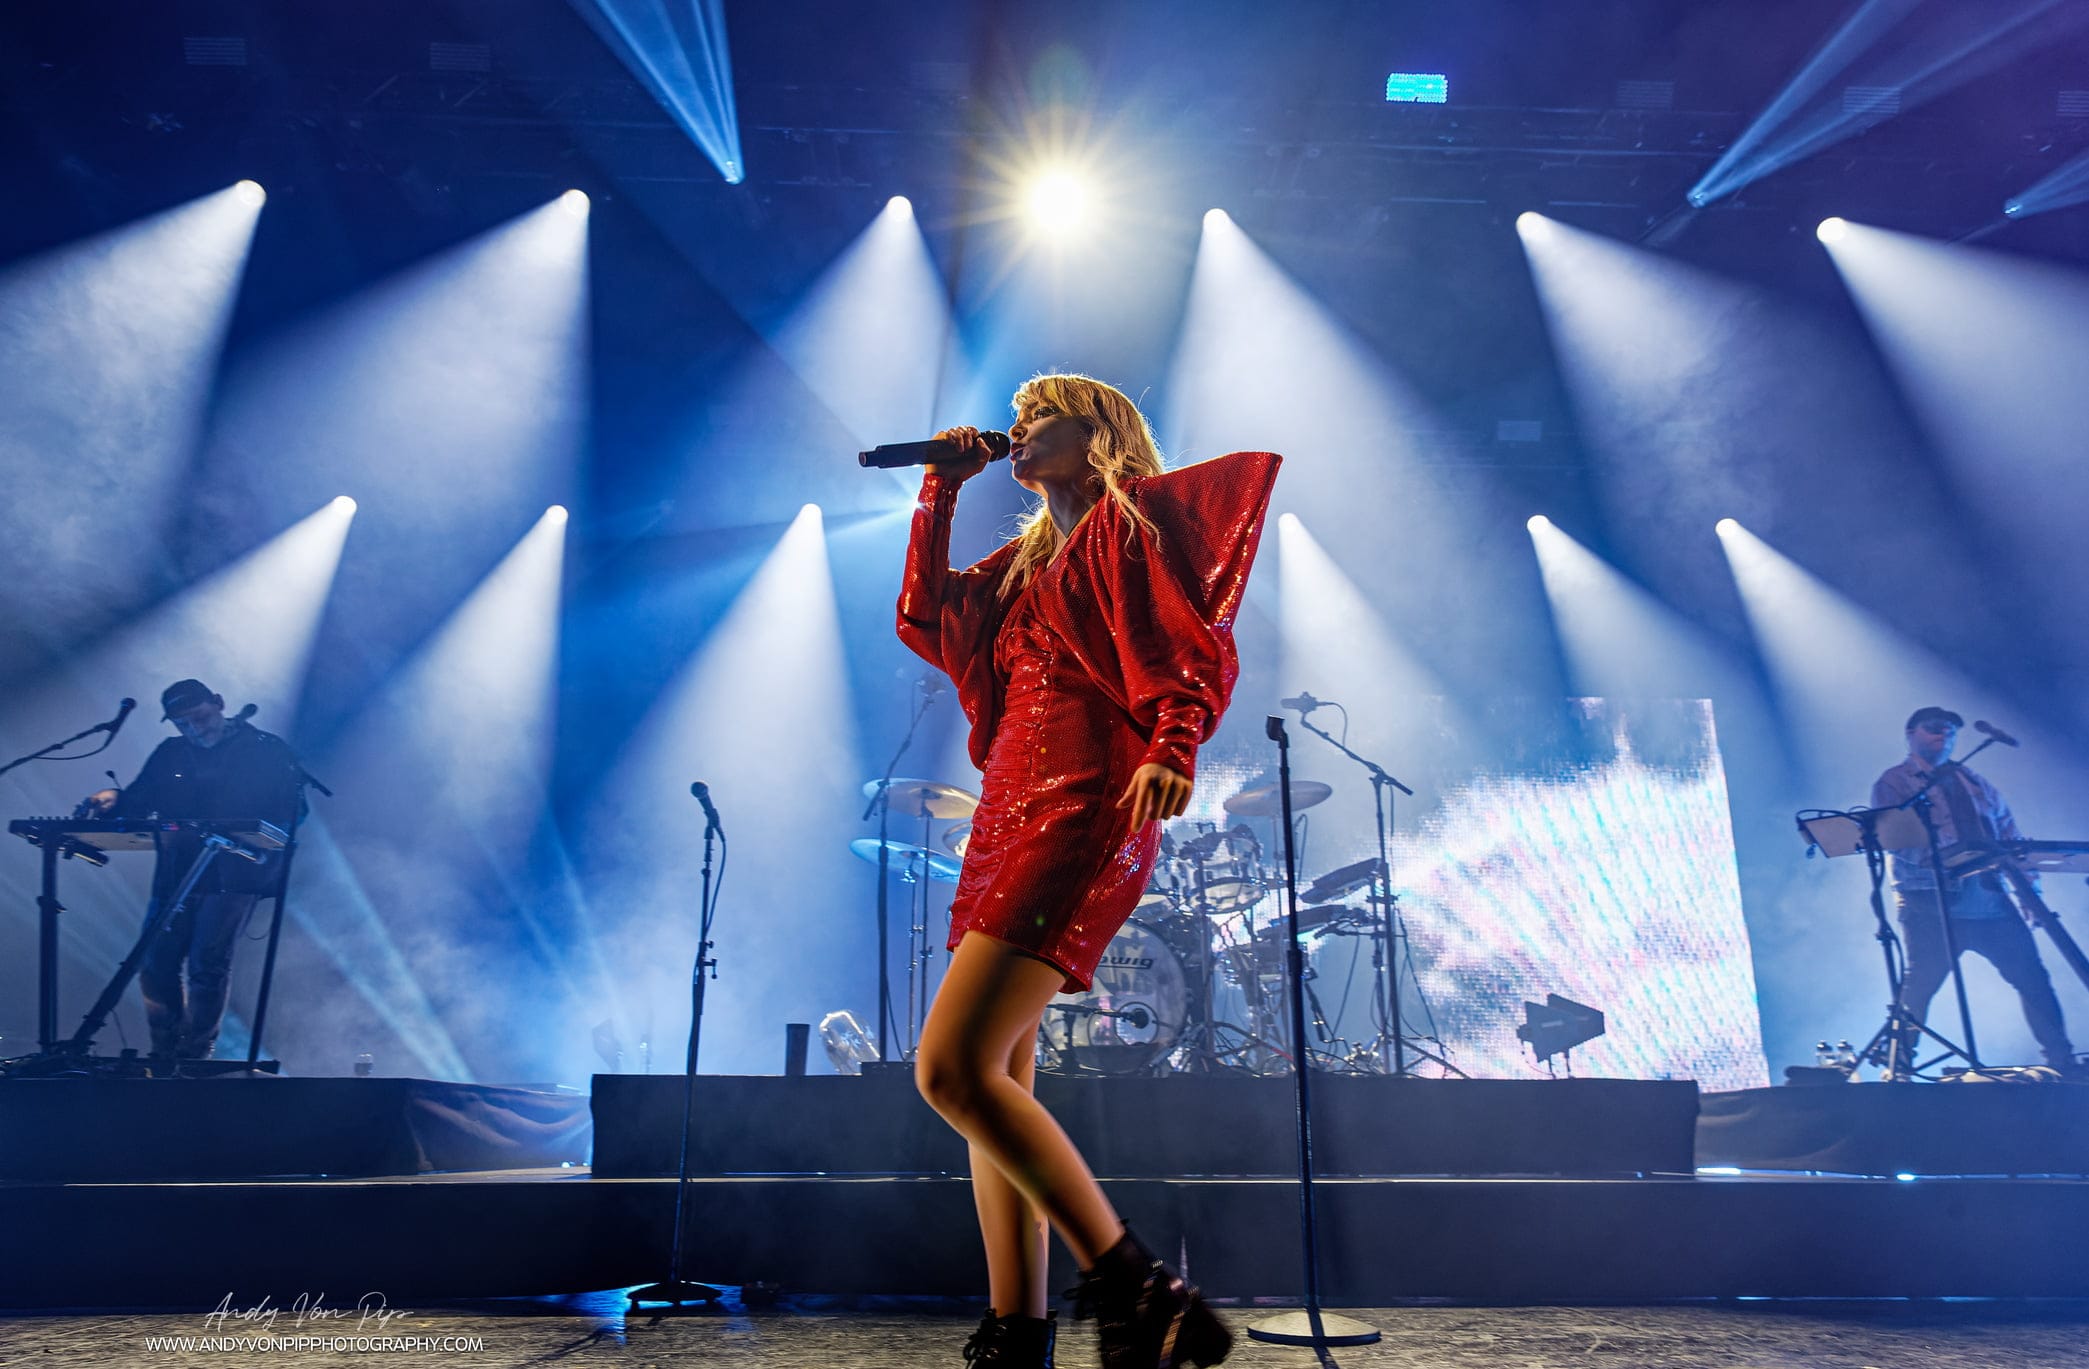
x=1131, y=1016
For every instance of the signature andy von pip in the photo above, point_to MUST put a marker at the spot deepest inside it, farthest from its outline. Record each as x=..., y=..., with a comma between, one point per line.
x=370, y=1312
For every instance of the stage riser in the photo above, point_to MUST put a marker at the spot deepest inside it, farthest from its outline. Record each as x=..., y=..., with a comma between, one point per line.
x=115, y=1130
x=1873, y=1128
x=1160, y=1127
x=1494, y=1241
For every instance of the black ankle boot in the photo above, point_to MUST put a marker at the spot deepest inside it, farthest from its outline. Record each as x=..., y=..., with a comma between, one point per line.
x=1149, y=1318
x=1013, y=1342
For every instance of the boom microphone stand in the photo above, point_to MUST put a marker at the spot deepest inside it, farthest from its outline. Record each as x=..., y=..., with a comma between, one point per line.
x=1391, y=933
x=674, y=1289
x=1311, y=1327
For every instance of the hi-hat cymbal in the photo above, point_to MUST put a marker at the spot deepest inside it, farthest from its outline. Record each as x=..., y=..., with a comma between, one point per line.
x=909, y=862
x=1267, y=801
x=926, y=798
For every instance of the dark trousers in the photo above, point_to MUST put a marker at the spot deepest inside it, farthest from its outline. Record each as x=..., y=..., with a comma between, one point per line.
x=2006, y=944
x=201, y=938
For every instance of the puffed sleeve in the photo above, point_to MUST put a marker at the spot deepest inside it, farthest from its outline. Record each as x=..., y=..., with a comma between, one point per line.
x=1168, y=596
x=945, y=615
x=949, y=617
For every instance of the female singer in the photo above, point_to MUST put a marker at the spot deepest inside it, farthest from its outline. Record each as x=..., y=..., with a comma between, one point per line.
x=1092, y=654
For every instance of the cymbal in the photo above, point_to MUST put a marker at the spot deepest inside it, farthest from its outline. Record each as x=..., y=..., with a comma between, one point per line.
x=926, y=798
x=908, y=862
x=1266, y=801
x=957, y=838
x=1345, y=881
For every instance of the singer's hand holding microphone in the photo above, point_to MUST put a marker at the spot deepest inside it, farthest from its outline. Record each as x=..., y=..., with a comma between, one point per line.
x=955, y=453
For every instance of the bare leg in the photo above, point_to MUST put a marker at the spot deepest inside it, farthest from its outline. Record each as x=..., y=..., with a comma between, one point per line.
x=1013, y=1229
x=989, y=1005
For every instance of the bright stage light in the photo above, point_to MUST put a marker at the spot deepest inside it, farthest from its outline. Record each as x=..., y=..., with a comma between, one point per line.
x=1215, y=217
x=900, y=204
x=1725, y=527
x=250, y=193
x=1059, y=203
x=1537, y=521
x=1832, y=230
x=1530, y=223
x=576, y=202
x=344, y=503
x=556, y=513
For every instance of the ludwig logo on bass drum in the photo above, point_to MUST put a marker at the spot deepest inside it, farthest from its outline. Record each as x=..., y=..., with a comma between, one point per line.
x=1128, y=962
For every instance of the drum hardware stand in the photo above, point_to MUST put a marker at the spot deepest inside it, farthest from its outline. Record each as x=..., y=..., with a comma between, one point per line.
x=1311, y=1327
x=1201, y=1054
x=1391, y=943
x=881, y=805
x=674, y=1290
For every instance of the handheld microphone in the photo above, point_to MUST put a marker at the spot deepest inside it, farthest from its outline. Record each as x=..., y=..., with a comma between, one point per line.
x=702, y=793
x=895, y=454
x=1305, y=703
x=1990, y=730
x=115, y=724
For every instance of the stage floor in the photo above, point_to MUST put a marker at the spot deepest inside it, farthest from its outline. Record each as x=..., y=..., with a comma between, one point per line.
x=807, y=1333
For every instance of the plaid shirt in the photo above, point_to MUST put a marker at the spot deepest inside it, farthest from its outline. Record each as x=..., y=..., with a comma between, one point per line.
x=1910, y=867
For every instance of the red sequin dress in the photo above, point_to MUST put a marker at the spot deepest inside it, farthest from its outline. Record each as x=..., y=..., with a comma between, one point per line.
x=1119, y=652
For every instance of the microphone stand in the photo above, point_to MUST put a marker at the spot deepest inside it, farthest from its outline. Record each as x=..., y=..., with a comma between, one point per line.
x=1392, y=935
x=674, y=1289
x=110, y=740
x=1312, y=1327
x=881, y=804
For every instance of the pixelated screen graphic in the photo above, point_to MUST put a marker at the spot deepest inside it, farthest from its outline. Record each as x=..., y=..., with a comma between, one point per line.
x=1577, y=847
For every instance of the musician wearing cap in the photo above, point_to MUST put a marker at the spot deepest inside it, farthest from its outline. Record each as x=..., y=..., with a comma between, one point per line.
x=1965, y=806
x=218, y=767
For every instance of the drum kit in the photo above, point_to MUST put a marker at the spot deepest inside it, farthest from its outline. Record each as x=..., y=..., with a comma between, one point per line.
x=1196, y=980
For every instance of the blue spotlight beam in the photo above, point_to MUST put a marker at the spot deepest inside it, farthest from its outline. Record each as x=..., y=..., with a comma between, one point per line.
x=2066, y=185
x=680, y=53
x=1929, y=65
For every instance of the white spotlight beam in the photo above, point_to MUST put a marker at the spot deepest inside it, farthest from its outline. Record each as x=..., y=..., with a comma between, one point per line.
x=1620, y=641
x=463, y=380
x=763, y=714
x=871, y=336
x=1704, y=397
x=1845, y=681
x=1991, y=351
x=107, y=349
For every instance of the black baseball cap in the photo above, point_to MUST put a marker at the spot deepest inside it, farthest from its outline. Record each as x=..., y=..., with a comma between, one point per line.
x=183, y=695
x=1920, y=716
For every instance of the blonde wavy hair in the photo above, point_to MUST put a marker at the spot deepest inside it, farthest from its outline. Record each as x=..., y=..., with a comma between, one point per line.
x=1121, y=447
